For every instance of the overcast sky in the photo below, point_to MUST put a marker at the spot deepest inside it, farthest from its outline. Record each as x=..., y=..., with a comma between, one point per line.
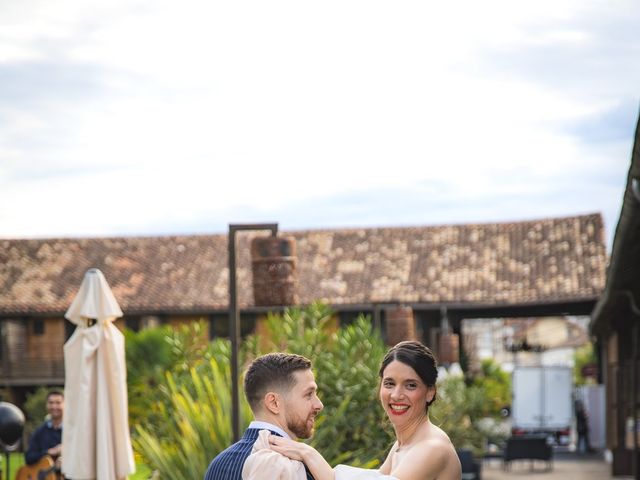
x=146, y=117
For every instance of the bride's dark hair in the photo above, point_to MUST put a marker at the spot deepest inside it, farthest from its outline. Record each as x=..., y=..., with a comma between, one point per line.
x=418, y=357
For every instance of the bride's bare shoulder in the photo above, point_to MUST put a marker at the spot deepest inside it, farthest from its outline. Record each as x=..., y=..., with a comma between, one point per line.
x=445, y=456
x=442, y=453
x=436, y=432
x=431, y=457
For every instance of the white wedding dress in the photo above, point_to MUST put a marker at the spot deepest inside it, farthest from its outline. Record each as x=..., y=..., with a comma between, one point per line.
x=265, y=464
x=345, y=472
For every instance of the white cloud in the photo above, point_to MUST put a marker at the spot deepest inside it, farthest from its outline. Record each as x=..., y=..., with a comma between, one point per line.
x=208, y=110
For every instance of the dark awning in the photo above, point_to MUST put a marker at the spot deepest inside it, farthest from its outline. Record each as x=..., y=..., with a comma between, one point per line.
x=622, y=289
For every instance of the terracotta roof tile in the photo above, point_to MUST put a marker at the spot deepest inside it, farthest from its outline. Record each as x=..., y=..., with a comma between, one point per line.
x=550, y=260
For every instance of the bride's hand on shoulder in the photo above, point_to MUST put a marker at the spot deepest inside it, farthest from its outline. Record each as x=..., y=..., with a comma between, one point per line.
x=290, y=448
x=302, y=452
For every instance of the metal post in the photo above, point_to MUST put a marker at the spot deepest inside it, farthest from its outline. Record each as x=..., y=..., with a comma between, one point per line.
x=234, y=318
x=634, y=398
x=377, y=322
x=456, y=328
x=234, y=334
x=444, y=319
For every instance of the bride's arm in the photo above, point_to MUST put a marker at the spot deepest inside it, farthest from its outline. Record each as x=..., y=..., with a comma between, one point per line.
x=385, y=468
x=315, y=462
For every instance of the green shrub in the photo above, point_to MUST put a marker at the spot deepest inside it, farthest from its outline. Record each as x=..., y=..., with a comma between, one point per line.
x=456, y=410
x=16, y=460
x=496, y=384
x=582, y=357
x=192, y=413
x=35, y=409
x=148, y=356
x=352, y=427
x=461, y=411
x=190, y=419
x=196, y=420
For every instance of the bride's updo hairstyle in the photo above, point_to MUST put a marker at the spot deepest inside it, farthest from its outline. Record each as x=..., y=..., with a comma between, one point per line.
x=418, y=357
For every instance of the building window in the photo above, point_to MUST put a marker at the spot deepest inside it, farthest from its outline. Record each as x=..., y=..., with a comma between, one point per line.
x=38, y=326
x=132, y=323
x=219, y=325
x=349, y=317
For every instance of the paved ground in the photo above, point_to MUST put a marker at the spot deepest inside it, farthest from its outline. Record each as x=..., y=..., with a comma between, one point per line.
x=566, y=466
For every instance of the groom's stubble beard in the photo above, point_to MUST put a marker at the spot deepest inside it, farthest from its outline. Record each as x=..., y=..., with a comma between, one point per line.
x=301, y=427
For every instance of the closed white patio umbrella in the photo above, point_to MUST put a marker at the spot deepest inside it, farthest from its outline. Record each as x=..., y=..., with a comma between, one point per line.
x=95, y=436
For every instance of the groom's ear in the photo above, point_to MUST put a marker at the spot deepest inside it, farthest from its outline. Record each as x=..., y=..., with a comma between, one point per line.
x=273, y=402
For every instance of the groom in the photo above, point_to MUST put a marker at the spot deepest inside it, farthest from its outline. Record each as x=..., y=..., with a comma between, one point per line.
x=281, y=391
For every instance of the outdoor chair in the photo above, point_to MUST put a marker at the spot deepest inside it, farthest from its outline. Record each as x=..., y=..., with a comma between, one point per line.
x=528, y=448
x=471, y=469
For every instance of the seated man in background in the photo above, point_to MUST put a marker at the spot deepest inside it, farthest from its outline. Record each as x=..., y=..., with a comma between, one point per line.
x=47, y=439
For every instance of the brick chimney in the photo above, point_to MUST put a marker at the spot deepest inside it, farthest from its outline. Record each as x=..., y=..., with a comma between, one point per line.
x=273, y=264
x=448, y=348
x=400, y=324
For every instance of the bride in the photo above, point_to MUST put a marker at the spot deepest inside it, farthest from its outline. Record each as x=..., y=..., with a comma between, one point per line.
x=422, y=450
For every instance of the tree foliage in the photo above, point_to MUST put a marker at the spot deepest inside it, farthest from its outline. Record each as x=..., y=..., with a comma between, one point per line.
x=457, y=410
x=496, y=386
x=195, y=415
x=352, y=427
x=189, y=420
x=469, y=411
x=582, y=357
x=184, y=420
x=35, y=408
x=148, y=357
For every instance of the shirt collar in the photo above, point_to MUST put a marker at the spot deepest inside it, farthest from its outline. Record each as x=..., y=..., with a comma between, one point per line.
x=50, y=425
x=260, y=425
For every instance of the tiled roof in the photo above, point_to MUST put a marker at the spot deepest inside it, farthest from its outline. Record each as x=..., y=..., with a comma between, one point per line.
x=543, y=261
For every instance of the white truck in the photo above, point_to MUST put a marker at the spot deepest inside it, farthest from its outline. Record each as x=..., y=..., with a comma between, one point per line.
x=542, y=402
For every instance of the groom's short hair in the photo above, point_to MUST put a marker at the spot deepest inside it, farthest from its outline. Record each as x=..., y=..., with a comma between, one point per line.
x=273, y=371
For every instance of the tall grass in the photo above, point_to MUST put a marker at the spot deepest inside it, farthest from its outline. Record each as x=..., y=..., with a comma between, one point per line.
x=197, y=423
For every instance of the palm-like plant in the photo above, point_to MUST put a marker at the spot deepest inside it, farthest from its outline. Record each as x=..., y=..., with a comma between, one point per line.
x=197, y=420
x=191, y=416
x=352, y=428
